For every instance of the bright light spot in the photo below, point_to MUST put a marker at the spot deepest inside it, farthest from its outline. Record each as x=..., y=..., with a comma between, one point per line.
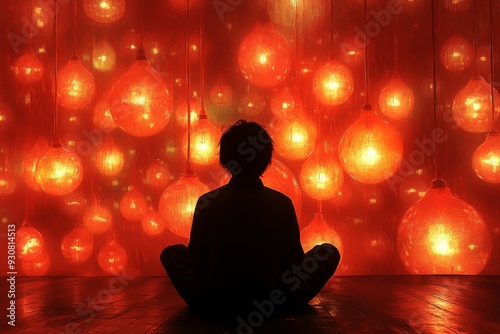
x=155, y=50
x=263, y=59
x=370, y=155
x=456, y=54
x=394, y=101
x=105, y=5
x=31, y=243
x=483, y=58
x=491, y=160
x=440, y=240
x=75, y=88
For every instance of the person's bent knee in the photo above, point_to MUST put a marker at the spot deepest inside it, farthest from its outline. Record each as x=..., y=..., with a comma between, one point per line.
x=172, y=251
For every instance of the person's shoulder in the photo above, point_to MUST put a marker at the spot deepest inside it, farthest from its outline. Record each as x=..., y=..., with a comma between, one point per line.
x=276, y=195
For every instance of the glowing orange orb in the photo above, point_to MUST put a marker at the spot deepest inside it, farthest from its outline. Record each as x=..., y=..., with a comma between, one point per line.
x=333, y=83
x=321, y=176
x=153, y=223
x=472, y=105
x=29, y=243
x=29, y=163
x=221, y=94
x=74, y=203
x=264, y=57
x=457, y=5
x=8, y=182
x=75, y=85
x=97, y=219
x=283, y=103
x=102, y=117
x=371, y=149
x=178, y=201
x=104, y=11
x=456, y=53
x=181, y=112
x=104, y=57
x=108, y=158
x=441, y=234
x=6, y=116
x=158, y=175
x=59, y=171
x=204, y=142
x=112, y=258
x=133, y=205
x=77, y=245
x=318, y=232
x=295, y=138
x=140, y=100
x=251, y=105
x=486, y=159
x=28, y=69
x=396, y=99
x=38, y=266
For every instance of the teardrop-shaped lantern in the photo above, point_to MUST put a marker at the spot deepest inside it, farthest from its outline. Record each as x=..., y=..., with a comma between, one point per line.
x=396, y=99
x=75, y=85
x=112, y=258
x=108, y=158
x=486, y=158
x=28, y=69
x=29, y=242
x=333, y=83
x=321, y=176
x=456, y=53
x=204, y=142
x=295, y=138
x=318, y=232
x=77, y=245
x=104, y=11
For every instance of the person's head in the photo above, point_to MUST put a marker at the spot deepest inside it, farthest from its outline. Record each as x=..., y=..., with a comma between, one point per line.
x=246, y=149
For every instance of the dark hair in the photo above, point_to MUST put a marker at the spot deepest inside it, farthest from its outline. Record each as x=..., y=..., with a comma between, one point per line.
x=246, y=149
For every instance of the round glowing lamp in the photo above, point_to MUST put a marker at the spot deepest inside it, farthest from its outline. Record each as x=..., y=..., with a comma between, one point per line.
x=38, y=266
x=104, y=11
x=318, y=232
x=178, y=202
x=133, y=205
x=112, y=258
x=204, y=142
x=181, y=112
x=251, y=105
x=486, y=158
x=28, y=69
x=158, y=175
x=264, y=57
x=295, y=138
x=102, y=117
x=75, y=85
x=59, y=171
x=441, y=234
x=108, y=158
x=456, y=53
x=283, y=103
x=77, y=245
x=321, y=176
x=396, y=100
x=333, y=83
x=104, y=57
x=29, y=242
x=152, y=223
x=140, y=100
x=97, y=218
x=471, y=108
x=74, y=203
x=371, y=149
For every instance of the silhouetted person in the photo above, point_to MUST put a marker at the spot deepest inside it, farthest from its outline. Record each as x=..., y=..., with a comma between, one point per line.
x=245, y=246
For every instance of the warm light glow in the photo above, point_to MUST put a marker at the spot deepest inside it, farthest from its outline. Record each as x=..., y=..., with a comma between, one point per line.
x=333, y=83
x=102, y=117
x=486, y=159
x=29, y=163
x=97, y=218
x=456, y=6
x=472, y=105
x=104, y=57
x=108, y=158
x=40, y=16
x=264, y=57
x=77, y=245
x=283, y=103
x=441, y=234
x=74, y=203
x=295, y=138
x=152, y=223
x=8, y=182
x=75, y=85
x=204, y=142
x=140, y=101
x=251, y=105
x=104, y=11
x=112, y=258
x=28, y=69
x=178, y=201
x=456, y=53
x=396, y=99
x=181, y=112
x=38, y=266
x=59, y=171
x=321, y=176
x=371, y=149
x=29, y=243
x=6, y=116
x=133, y=205
x=317, y=233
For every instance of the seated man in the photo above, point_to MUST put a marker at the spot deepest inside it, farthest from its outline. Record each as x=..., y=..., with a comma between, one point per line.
x=245, y=244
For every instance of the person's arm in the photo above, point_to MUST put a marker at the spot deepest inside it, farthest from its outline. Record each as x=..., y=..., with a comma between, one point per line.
x=294, y=247
x=198, y=245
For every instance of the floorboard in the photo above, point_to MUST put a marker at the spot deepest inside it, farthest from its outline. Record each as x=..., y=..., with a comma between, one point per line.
x=358, y=304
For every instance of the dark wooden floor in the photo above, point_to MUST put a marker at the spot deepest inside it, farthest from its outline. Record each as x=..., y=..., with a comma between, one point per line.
x=369, y=304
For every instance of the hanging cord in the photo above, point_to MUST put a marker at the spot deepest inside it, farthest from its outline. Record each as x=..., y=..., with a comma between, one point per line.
x=365, y=58
x=396, y=45
x=202, y=113
x=436, y=145
x=141, y=24
x=332, y=53
x=188, y=98
x=320, y=207
x=75, y=23
x=491, y=70
x=474, y=34
x=55, y=70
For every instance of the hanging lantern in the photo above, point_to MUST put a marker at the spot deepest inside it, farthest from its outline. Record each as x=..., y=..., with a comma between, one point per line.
x=8, y=182
x=39, y=15
x=221, y=94
x=204, y=142
x=104, y=11
x=133, y=205
x=112, y=258
x=251, y=105
x=140, y=100
x=181, y=115
x=104, y=57
x=6, y=116
x=152, y=223
x=457, y=5
x=158, y=175
x=29, y=242
x=318, y=232
x=102, y=117
x=38, y=266
x=396, y=99
x=264, y=57
x=321, y=176
x=74, y=203
x=30, y=161
x=221, y=110
x=441, y=234
x=77, y=245
x=371, y=149
x=295, y=138
x=283, y=103
x=59, y=171
x=178, y=201
x=456, y=53
x=28, y=69
x=472, y=105
x=486, y=159
x=75, y=85
x=333, y=83
x=97, y=219
x=108, y=158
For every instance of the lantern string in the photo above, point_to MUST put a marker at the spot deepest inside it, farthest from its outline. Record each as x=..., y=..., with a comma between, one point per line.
x=141, y=23
x=55, y=70
x=297, y=73
x=436, y=145
x=75, y=23
x=365, y=58
x=491, y=70
x=320, y=207
x=474, y=34
x=202, y=60
x=332, y=53
x=188, y=99
x=396, y=45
